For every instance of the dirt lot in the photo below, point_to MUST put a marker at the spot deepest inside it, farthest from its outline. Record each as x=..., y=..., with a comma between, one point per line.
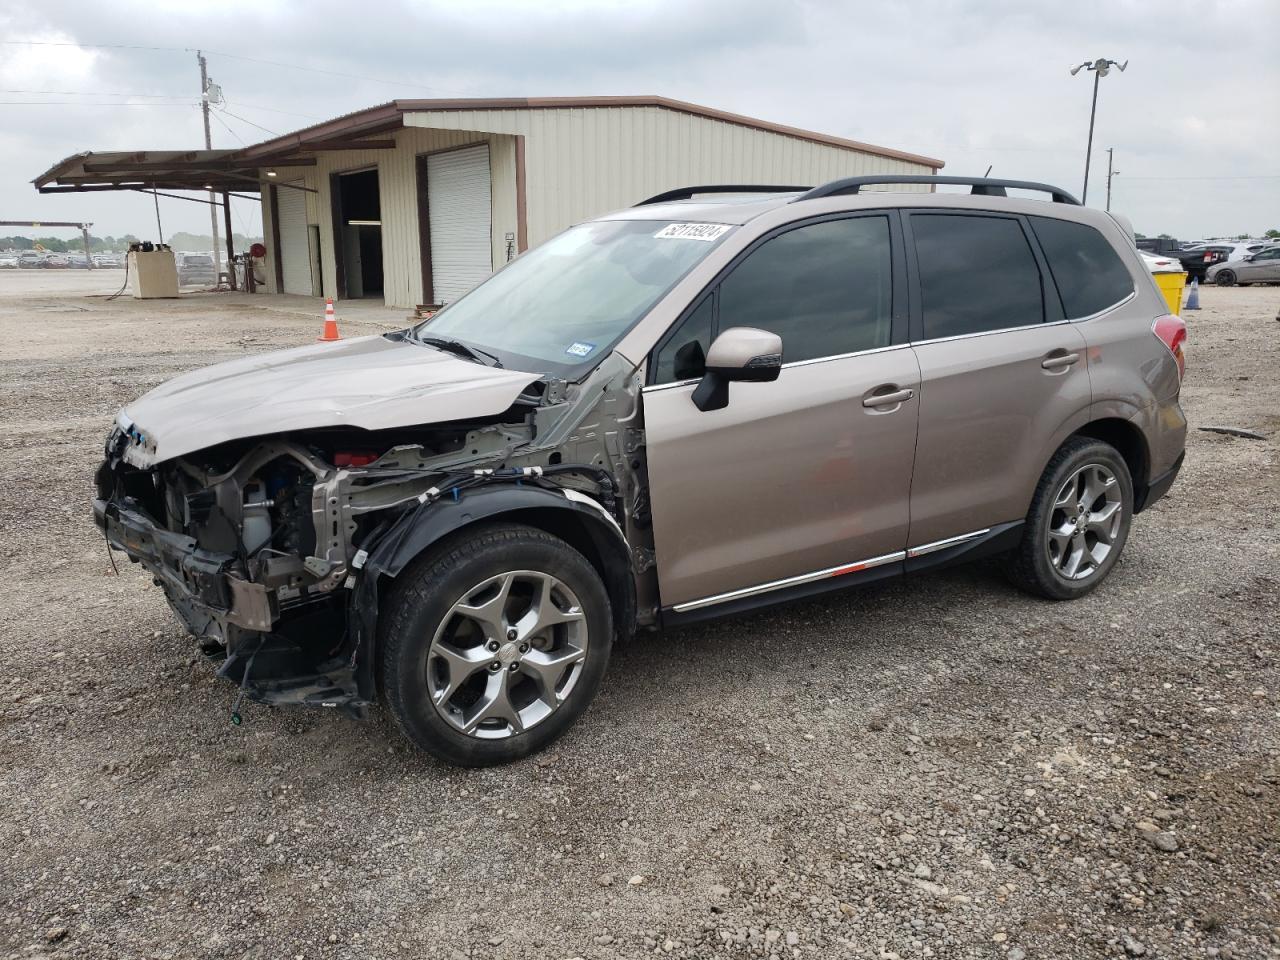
x=937, y=767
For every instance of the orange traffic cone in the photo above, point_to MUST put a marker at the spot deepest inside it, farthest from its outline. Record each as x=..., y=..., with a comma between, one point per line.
x=330, y=324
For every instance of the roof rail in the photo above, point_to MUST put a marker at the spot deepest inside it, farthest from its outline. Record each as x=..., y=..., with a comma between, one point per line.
x=982, y=186
x=686, y=193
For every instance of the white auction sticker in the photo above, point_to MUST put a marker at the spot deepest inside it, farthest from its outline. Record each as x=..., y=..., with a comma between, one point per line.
x=706, y=232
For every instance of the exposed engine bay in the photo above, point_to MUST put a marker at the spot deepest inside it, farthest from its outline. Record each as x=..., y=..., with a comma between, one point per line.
x=272, y=548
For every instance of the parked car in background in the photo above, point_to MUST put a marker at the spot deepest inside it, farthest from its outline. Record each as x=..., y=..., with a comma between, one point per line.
x=1196, y=260
x=30, y=259
x=1161, y=246
x=1260, y=267
x=8, y=260
x=77, y=261
x=57, y=261
x=196, y=268
x=106, y=260
x=689, y=408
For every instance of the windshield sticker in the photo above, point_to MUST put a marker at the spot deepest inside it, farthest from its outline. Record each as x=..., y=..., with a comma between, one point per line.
x=580, y=349
x=706, y=232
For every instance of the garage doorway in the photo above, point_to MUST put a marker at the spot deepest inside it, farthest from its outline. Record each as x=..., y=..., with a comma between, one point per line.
x=455, y=221
x=357, y=224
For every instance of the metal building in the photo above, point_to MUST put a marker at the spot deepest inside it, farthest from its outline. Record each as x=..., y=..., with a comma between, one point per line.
x=416, y=201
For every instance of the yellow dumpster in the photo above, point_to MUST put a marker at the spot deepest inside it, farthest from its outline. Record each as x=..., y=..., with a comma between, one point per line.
x=1170, y=278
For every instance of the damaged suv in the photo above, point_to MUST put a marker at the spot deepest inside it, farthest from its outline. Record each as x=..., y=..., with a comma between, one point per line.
x=721, y=398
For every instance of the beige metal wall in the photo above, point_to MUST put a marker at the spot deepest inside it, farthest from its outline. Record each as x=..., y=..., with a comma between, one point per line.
x=398, y=194
x=579, y=163
x=582, y=162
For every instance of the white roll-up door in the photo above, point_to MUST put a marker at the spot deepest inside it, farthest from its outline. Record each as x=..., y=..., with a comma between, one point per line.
x=458, y=203
x=295, y=257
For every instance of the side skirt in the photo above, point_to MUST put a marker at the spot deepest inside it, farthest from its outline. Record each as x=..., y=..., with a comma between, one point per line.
x=973, y=546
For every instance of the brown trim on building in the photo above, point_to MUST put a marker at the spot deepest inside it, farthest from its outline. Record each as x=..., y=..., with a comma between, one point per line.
x=390, y=115
x=339, y=236
x=277, y=251
x=424, y=228
x=522, y=192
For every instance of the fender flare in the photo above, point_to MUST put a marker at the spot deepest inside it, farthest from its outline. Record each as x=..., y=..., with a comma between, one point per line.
x=407, y=539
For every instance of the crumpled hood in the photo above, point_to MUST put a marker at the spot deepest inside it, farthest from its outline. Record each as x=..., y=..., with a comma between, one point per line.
x=367, y=382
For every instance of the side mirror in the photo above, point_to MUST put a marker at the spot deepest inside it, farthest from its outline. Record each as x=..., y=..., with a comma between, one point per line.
x=1250, y=257
x=740, y=353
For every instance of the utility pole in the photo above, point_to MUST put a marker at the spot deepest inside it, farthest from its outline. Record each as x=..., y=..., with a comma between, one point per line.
x=208, y=145
x=1110, y=173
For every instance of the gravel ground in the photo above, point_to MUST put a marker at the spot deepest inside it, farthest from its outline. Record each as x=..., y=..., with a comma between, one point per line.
x=933, y=767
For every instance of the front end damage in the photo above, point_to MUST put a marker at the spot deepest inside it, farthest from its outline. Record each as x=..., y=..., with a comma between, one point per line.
x=271, y=549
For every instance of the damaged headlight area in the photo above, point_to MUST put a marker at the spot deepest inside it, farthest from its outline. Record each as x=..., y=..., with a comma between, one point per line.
x=261, y=545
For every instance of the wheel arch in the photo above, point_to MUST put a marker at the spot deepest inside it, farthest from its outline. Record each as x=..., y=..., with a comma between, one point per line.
x=1129, y=442
x=575, y=518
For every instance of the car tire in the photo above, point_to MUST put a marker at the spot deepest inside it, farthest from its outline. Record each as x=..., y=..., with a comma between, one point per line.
x=505, y=630
x=1225, y=278
x=1078, y=522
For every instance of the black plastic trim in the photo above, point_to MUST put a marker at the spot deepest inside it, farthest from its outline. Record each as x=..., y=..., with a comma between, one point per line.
x=999, y=539
x=671, y=618
x=1158, y=487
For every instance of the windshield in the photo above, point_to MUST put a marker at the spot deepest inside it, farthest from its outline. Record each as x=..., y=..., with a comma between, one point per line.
x=565, y=303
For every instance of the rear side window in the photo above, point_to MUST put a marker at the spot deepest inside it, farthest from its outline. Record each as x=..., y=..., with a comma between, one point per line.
x=825, y=288
x=976, y=274
x=1089, y=274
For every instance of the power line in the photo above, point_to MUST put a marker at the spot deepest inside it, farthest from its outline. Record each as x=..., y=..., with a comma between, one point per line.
x=249, y=122
x=1264, y=176
x=98, y=93
x=287, y=113
x=83, y=103
x=227, y=126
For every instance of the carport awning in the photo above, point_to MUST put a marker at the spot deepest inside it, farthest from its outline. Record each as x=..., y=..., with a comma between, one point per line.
x=224, y=171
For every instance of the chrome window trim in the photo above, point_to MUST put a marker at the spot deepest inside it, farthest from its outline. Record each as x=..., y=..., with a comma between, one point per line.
x=936, y=545
x=654, y=387
x=1115, y=306
x=841, y=570
x=1028, y=326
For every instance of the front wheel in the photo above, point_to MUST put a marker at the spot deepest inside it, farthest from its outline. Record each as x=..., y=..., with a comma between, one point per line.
x=1225, y=278
x=1078, y=522
x=494, y=645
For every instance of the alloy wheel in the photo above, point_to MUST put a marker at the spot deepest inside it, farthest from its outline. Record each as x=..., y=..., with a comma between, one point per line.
x=507, y=654
x=1084, y=523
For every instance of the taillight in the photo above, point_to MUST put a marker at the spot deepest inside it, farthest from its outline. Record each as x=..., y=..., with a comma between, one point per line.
x=1173, y=334
x=1208, y=256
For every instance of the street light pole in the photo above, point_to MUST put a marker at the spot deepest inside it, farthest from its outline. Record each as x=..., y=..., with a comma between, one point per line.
x=1099, y=68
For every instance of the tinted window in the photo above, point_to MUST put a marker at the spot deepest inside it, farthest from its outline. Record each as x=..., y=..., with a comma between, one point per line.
x=1090, y=276
x=825, y=288
x=684, y=354
x=976, y=274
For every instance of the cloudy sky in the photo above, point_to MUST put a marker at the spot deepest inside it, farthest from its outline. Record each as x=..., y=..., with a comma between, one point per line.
x=1194, y=119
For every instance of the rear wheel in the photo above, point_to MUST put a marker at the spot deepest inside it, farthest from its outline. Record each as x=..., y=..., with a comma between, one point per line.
x=1225, y=278
x=1078, y=522
x=495, y=645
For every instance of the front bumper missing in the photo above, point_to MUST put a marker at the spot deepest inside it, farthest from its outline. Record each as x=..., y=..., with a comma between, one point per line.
x=217, y=604
x=202, y=585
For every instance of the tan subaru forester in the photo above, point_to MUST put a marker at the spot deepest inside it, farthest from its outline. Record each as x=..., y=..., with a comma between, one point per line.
x=724, y=397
